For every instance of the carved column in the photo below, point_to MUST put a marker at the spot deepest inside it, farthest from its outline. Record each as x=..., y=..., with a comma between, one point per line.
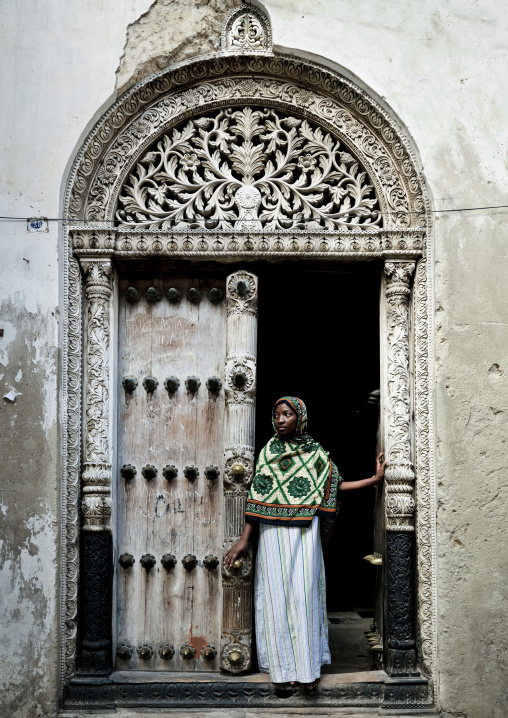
x=240, y=388
x=400, y=647
x=96, y=538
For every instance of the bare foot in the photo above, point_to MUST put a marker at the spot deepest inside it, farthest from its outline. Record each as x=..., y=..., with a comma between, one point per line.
x=311, y=687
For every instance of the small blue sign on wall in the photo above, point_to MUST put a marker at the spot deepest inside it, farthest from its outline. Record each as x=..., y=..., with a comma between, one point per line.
x=37, y=224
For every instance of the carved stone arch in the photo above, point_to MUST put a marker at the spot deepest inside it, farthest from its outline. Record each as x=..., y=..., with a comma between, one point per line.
x=294, y=86
x=243, y=76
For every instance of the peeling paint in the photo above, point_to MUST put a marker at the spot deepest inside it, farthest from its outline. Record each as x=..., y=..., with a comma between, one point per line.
x=170, y=31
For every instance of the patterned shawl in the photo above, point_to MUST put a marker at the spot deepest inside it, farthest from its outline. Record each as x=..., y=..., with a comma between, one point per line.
x=295, y=479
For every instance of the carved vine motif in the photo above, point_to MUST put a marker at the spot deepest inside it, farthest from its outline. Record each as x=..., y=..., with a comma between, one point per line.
x=424, y=488
x=72, y=352
x=397, y=294
x=248, y=169
x=96, y=503
x=399, y=475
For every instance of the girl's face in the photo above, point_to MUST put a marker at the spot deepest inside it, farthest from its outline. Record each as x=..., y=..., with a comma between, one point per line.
x=285, y=420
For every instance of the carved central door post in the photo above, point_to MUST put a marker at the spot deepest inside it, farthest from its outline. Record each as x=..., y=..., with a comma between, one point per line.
x=240, y=388
x=96, y=538
x=399, y=561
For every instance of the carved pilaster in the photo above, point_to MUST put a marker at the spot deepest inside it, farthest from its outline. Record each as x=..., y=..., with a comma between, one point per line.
x=240, y=390
x=97, y=548
x=96, y=475
x=399, y=473
x=400, y=647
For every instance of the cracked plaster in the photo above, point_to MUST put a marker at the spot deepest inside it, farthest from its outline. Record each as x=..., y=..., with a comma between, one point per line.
x=170, y=32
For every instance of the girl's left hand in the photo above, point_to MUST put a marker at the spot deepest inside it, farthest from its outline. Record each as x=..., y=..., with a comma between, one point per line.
x=380, y=468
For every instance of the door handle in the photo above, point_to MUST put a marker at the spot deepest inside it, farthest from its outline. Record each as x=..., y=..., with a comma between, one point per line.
x=374, y=558
x=238, y=470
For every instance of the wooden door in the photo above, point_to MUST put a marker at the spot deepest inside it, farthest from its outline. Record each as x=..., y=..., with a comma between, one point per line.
x=169, y=506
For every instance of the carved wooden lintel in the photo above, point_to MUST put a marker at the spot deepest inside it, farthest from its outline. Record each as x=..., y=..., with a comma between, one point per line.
x=364, y=245
x=240, y=390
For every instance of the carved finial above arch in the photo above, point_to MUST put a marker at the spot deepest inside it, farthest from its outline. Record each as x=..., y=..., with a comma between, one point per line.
x=246, y=29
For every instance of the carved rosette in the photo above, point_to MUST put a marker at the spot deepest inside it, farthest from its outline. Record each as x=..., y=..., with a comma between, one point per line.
x=240, y=387
x=96, y=475
x=400, y=505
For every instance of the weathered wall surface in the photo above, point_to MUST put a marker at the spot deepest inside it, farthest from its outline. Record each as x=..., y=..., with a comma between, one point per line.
x=440, y=66
x=171, y=31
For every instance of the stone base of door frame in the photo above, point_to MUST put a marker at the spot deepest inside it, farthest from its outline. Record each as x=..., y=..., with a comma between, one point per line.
x=374, y=690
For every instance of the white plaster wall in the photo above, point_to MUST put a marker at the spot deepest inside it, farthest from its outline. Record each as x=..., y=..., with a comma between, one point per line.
x=440, y=66
x=58, y=64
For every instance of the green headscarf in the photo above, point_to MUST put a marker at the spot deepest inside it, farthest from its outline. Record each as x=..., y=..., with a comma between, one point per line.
x=295, y=478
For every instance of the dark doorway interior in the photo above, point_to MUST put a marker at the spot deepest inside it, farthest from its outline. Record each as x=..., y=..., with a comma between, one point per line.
x=318, y=338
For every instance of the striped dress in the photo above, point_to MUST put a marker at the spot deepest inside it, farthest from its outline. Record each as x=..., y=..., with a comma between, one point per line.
x=290, y=603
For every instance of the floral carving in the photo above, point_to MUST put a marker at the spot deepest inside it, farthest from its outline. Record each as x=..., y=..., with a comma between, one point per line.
x=241, y=329
x=242, y=302
x=248, y=169
x=246, y=29
x=96, y=477
x=399, y=474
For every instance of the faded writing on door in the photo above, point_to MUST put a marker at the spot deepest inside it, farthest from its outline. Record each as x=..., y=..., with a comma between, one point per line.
x=169, y=490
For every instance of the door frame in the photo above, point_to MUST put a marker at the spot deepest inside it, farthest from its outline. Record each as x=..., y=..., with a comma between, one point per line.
x=91, y=249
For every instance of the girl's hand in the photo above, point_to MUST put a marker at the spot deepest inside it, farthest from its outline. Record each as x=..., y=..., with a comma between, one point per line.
x=236, y=551
x=380, y=469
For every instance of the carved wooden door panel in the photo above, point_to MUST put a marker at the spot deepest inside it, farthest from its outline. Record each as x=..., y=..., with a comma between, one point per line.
x=169, y=533
x=185, y=452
